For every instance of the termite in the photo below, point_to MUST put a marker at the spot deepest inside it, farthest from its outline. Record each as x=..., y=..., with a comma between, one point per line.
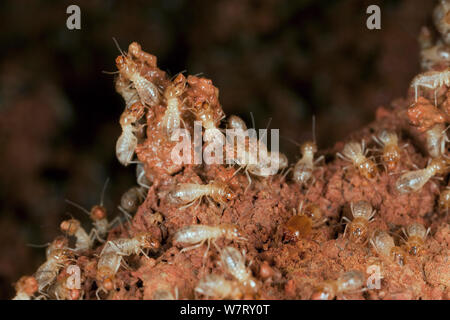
x=217, y=287
x=385, y=246
x=172, y=117
x=128, y=93
x=131, y=200
x=234, y=263
x=436, y=137
x=301, y=224
x=62, y=289
x=189, y=193
x=113, y=252
x=26, y=287
x=414, y=180
x=98, y=215
x=148, y=92
x=388, y=140
x=356, y=153
x=358, y=228
x=304, y=168
x=48, y=271
x=416, y=235
x=72, y=227
x=197, y=235
x=127, y=142
x=350, y=281
x=431, y=80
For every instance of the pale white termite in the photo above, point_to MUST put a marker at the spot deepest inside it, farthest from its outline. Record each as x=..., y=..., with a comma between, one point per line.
x=304, y=168
x=189, y=193
x=217, y=287
x=127, y=142
x=148, y=92
x=171, y=120
x=72, y=227
x=414, y=180
x=26, y=287
x=234, y=263
x=48, y=271
x=350, y=281
x=356, y=153
x=113, y=252
x=431, y=80
x=385, y=246
x=197, y=235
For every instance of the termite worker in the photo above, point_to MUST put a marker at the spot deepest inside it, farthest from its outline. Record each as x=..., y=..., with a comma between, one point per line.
x=26, y=287
x=301, y=224
x=196, y=235
x=131, y=200
x=416, y=235
x=356, y=153
x=72, y=227
x=64, y=288
x=385, y=246
x=148, y=92
x=113, y=252
x=304, y=168
x=234, y=263
x=348, y=282
x=48, y=271
x=217, y=287
x=414, y=180
x=388, y=140
x=358, y=228
x=189, y=193
x=431, y=80
x=172, y=117
x=127, y=142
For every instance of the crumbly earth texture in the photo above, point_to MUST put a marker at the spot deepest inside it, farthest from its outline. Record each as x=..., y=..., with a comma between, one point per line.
x=284, y=269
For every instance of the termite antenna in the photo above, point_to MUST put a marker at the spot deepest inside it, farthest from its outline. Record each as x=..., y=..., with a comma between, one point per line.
x=38, y=245
x=103, y=191
x=110, y=72
x=290, y=140
x=76, y=205
x=118, y=47
x=314, y=128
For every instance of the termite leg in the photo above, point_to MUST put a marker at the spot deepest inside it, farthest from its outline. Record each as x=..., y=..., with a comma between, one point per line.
x=193, y=247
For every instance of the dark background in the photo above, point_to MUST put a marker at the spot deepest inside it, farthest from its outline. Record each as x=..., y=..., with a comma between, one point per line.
x=284, y=60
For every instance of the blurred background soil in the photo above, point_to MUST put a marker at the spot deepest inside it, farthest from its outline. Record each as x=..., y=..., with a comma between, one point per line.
x=285, y=60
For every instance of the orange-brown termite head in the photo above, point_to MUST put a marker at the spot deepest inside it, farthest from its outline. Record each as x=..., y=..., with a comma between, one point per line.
x=70, y=227
x=301, y=224
x=416, y=234
x=147, y=241
x=308, y=147
x=358, y=228
x=59, y=242
x=355, y=152
x=222, y=192
x=26, y=287
x=439, y=165
x=232, y=231
x=177, y=87
x=98, y=213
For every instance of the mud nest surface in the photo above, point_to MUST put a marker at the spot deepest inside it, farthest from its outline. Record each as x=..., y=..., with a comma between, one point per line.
x=283, y=259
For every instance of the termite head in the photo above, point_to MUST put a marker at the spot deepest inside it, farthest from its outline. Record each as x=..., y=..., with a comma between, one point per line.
x=59, y=242
x=28, y=285
x=398, y=255
x=108, y=284
x=147, y=241
x=234, y=122
x=416, y=234
x=232, y=231
x=308, y=147
x=70, y=226
x=440, y=165
x=358, y=228
x=225, y=193
x=326, y=291
x=314, y=212
x=250, y=285
x=125, y=66
x=177, y=88
x=98, y=213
